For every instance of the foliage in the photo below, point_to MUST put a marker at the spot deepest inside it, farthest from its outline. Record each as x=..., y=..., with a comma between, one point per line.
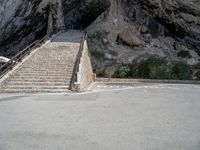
x=123, y=71
x=181, y=71
x=155, y=68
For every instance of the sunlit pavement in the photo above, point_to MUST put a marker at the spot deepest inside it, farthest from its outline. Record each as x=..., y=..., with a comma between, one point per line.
x=109, y=117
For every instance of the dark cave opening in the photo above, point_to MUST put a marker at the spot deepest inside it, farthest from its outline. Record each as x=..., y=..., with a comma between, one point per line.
x=82, y=16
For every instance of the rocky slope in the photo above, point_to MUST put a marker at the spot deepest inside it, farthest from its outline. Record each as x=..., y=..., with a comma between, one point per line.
x=135, y=29
x=182, y=17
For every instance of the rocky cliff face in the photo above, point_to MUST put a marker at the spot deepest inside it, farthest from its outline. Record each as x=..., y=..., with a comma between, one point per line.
x=136, y=29
x=24, y=21
x=181, y=17
x=130, y=30
x=21, y=22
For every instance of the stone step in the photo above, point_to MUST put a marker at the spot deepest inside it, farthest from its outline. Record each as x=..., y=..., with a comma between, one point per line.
x=35, y=91
x=38, y=80
x=68, y=64
x=38, y=68
x=39, y=87
x=59, y=59
x=17, y=81
x=45, y=58
x=32, y=84
x=54, y=55
x=50, y=63
x=47, y=72
x=47, y=68
x=42, y=74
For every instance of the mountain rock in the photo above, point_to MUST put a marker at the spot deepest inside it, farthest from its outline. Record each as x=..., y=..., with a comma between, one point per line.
x=24, y=21
x=161, y=27
x=180, y=17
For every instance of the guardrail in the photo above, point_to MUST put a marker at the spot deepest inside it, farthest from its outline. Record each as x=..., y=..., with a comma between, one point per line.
x=18, y=57
x=76, y=67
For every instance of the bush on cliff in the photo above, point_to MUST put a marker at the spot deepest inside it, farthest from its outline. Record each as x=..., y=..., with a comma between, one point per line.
x=155, y=68
x=152, y=68
x=123, y=71
x=181, y=71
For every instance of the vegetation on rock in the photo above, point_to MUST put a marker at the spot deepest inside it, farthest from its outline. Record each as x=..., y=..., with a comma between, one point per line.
x=156, y=68
x=181, y=71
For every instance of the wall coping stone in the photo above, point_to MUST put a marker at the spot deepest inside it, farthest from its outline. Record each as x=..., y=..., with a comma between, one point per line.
x=117, y=80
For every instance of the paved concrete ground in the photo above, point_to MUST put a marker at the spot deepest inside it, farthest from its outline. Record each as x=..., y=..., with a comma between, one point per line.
x=142, y=117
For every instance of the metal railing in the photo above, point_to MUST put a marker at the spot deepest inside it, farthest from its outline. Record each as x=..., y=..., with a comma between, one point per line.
x=76, y=66
x=6, y=67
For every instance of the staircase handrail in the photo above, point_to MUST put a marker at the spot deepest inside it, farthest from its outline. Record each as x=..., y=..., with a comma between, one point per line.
x=78, y=60
x=19, y=56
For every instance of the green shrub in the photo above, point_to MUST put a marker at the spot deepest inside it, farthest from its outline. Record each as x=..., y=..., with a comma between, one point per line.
x=152, y=68
x=97, y=54
x=140, y=70
x=122, y=72
x=184, y=54
x=156, y=68
x=181, y=71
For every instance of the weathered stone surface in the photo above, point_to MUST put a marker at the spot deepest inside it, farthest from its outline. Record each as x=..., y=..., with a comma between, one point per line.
x=181, y=17
x=24, y=21
x=129, y=37
x=85, y=76
x=161, y=27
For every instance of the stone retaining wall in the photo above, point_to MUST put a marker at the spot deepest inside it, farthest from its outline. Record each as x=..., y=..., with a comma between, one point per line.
x=85, y=75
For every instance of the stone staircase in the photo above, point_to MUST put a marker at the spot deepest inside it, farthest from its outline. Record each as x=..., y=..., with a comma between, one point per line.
x=47, y=69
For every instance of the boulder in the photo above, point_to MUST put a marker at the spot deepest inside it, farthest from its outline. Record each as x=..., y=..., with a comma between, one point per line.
x=130, y=38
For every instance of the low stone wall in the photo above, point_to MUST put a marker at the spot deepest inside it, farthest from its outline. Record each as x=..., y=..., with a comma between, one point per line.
x=85, y=75
x=117, y=80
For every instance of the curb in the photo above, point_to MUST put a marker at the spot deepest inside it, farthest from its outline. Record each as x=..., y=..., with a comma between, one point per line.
x=116, y=80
